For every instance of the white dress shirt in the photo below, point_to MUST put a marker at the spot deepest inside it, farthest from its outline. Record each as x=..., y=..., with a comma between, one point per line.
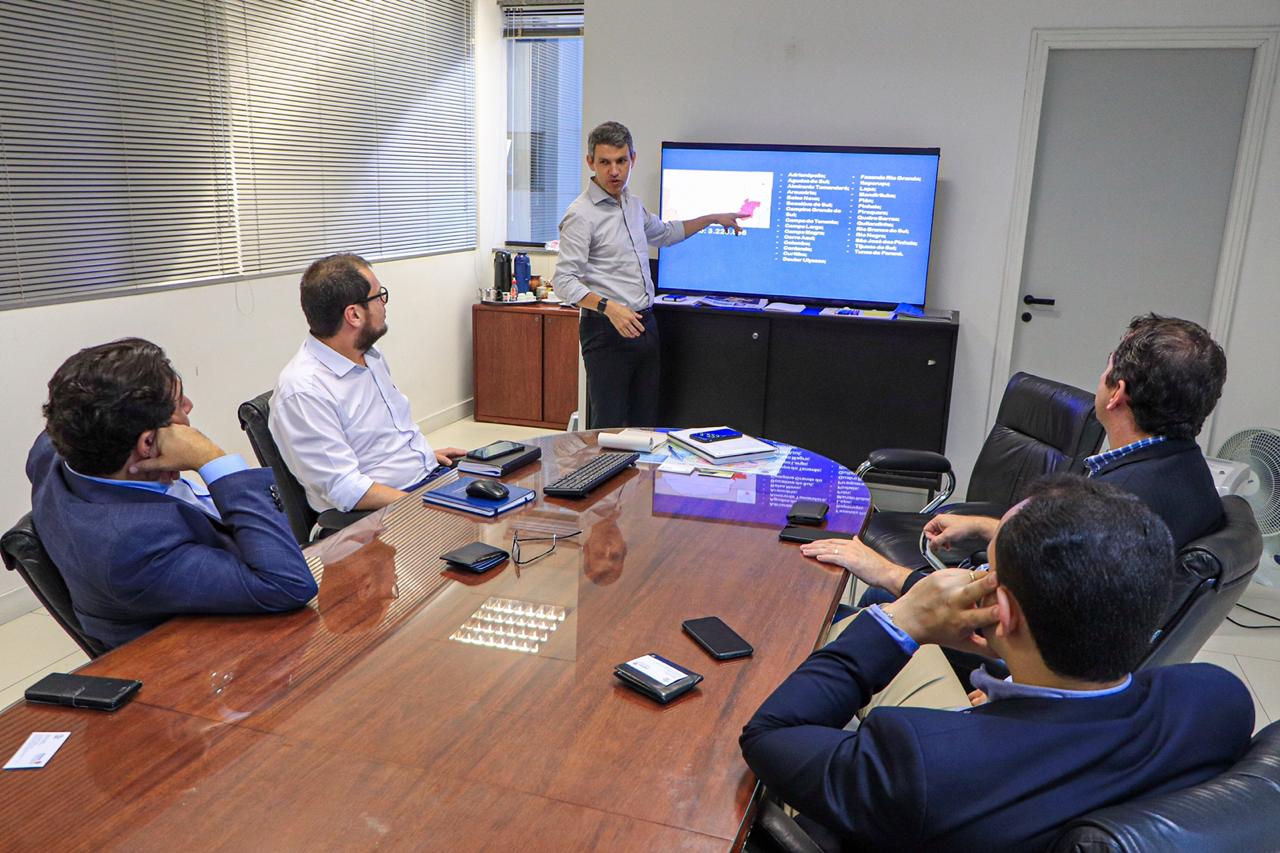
x=604, y=248
x=341, y=427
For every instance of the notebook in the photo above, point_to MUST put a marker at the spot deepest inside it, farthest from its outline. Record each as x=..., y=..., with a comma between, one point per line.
x=454, y=496
x=500, y=466
x=739, y=449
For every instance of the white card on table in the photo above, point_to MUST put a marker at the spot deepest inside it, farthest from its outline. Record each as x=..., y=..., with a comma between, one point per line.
x=657, y=670
x=37, y=751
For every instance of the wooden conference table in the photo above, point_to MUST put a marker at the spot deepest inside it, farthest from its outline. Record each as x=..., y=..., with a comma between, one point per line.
x=358, y=722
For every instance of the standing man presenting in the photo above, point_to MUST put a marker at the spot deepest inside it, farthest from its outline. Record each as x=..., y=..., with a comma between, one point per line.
x=604, y=270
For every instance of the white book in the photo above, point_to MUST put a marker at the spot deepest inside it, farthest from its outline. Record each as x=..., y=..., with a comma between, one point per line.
x=739, y=449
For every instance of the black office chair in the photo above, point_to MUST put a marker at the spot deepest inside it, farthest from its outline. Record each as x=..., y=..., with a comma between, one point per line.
x=1042, y=426
x=302, y=518
x=1238, y=810
x=23, y=553
x=1212, y=573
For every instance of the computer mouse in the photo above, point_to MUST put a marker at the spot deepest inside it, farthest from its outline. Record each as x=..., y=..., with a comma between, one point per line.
x=487, y=489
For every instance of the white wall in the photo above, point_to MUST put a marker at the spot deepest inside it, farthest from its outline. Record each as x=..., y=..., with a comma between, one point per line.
x=910, y=73
x=229, y=341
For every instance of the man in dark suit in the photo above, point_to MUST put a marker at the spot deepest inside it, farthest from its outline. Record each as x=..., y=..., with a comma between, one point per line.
x=1159, y=386
x=1080, y=577
x=135, y=542
x=1154, y=395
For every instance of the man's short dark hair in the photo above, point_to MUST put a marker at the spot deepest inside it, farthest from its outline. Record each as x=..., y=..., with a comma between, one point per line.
x=104, y=397
x=1093, y=568
x=613, y=134
x=1174, y=372
x=328, y=286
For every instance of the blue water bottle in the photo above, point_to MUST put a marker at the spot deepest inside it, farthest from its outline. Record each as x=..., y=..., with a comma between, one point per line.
x=522, y=272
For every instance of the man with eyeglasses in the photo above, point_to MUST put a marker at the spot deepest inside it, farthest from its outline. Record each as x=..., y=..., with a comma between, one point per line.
x=344, y=429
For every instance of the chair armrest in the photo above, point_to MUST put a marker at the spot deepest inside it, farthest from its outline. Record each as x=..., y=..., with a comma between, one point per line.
x=334, y=519
x=783, y=831
x=911, y=461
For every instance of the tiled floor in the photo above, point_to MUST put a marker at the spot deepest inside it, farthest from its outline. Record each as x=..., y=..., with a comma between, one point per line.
x=33, y=645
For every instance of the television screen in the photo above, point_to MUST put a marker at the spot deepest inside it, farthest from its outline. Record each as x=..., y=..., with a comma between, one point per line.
x=821, y=223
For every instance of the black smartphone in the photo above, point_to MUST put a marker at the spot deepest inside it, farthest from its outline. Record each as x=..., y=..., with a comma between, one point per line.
x=713, y=435
x=494, y=450
x=807, y=512
x=82, y=691
x=720, y=641
x=810, y=534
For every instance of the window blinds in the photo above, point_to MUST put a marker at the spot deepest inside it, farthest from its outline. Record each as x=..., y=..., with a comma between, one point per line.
x=157, y=143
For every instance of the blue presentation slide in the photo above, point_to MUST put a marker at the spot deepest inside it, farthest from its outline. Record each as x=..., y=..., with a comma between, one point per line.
x=847, y=226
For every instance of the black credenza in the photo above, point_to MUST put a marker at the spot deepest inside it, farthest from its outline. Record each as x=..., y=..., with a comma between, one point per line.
x=842, y=386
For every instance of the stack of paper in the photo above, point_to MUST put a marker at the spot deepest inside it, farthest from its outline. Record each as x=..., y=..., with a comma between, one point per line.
x=784, y=307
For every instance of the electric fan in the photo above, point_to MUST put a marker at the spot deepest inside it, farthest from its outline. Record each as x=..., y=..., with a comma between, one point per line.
x=1260, y=450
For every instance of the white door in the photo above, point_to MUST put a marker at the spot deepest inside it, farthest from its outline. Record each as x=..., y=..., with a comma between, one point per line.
x=1133, y=174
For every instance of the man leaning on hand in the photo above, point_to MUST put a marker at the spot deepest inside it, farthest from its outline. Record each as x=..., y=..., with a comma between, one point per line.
x=135, y=542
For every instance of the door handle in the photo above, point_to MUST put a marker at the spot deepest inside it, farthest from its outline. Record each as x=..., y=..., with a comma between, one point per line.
x=1038, y=300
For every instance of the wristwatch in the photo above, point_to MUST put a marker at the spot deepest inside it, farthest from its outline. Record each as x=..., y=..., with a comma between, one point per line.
x=602, y=304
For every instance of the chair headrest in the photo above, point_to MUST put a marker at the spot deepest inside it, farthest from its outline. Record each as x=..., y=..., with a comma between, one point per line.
x=1048, y=411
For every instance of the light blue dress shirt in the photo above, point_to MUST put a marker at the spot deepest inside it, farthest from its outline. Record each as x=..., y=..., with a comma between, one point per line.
x=604, y=248
x=182, y=488
x=341, y=427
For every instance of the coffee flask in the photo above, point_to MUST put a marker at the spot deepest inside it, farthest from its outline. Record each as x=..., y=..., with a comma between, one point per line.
x=501, y=270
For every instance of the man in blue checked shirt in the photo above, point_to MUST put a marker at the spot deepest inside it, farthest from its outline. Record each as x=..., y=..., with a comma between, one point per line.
x=1154, y=395
x=135, y=542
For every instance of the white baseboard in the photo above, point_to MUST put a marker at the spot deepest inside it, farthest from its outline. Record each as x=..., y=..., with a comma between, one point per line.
x=447, y=415
x=16, y=602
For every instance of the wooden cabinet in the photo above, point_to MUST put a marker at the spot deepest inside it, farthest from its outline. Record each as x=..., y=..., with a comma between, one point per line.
x=526, y=364
x=841, y=386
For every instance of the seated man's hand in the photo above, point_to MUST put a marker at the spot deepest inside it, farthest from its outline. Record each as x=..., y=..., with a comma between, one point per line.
x=446, y=455
x=176, y=448
x=865, y=564
x=944, y=531
x=945, y=608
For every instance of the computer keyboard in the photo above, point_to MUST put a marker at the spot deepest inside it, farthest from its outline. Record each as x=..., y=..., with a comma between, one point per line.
x=577, y=483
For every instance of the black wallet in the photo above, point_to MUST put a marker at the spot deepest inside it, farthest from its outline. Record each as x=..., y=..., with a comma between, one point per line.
x=810, y=534
x=656, y=677
x=474, y=557
x=82, y=691
x=807, y=512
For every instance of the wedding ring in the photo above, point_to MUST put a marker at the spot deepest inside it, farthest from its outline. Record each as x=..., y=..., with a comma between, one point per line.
x=972, y=576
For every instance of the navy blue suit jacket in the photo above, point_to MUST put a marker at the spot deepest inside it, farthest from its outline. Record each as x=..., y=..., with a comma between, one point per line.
x=1003, y=776
x=132, y=558
x=1172, y=479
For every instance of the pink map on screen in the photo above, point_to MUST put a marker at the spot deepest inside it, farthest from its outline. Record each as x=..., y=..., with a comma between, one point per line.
x=748, y=208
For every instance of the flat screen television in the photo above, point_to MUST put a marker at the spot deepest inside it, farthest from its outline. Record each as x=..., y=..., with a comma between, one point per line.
x=826, y=224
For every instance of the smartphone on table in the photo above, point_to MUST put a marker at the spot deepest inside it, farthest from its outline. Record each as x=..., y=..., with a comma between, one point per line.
x=494, y=450
x=718, y=639
x=713, y=435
